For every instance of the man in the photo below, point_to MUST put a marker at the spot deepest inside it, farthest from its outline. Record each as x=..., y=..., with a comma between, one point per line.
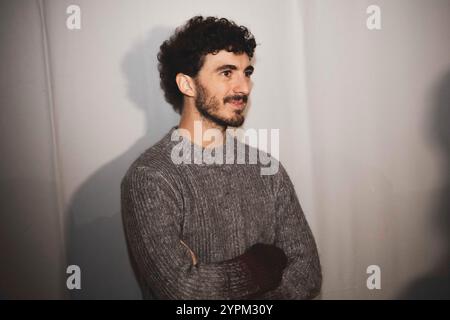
x=202, y=229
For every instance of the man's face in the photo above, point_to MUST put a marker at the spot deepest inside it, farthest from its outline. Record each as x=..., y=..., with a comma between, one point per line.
x=223, y=86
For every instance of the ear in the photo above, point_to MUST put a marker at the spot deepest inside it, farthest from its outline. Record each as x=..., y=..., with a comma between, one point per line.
x=185, y=84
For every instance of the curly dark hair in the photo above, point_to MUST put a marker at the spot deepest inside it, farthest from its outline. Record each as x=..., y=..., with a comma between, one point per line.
x=185, y=51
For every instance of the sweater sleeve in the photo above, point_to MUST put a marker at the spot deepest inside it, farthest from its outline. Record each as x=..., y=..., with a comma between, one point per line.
x=163, y=264
x=302, y=278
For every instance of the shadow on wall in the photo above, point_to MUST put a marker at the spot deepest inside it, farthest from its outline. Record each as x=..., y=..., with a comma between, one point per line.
x=436, y=284
x=96, y=240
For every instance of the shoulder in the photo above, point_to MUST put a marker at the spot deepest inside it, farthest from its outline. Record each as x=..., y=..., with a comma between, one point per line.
x=271, y=169
x=154, y=164
x=269, y=164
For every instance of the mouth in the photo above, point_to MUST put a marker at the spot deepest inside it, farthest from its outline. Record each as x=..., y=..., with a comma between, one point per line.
x=237, y=104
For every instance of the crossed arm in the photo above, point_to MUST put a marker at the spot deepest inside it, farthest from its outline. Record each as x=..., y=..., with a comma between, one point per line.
x=171, y=269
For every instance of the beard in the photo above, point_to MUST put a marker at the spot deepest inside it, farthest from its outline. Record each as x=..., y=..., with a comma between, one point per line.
x=209, y=107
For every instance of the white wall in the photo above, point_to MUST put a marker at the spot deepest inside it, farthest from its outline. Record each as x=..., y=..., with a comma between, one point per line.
x=31, y=245
x=362, y=133
x=378, y=170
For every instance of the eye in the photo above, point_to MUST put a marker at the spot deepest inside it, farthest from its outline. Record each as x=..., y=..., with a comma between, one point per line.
x=227, y=73
x=248, y=73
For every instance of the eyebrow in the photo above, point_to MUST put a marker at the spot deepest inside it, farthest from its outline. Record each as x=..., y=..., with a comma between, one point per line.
x=232, y=67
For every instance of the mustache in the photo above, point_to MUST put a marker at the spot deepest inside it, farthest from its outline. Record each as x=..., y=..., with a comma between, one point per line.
x=243, y=97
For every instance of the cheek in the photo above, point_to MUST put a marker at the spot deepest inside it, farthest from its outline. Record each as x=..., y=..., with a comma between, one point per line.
x=220, y=94
x=218, y=90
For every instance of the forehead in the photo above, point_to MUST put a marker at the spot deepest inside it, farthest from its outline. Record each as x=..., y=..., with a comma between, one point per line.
x=223, y=57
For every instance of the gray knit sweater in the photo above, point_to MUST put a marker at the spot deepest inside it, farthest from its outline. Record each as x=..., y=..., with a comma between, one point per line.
x=218, y=211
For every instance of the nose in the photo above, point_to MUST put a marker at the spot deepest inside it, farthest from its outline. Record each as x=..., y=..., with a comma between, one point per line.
x=242, y=85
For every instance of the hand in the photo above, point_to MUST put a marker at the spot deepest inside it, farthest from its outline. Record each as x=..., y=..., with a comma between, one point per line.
x=268, y=255
x=266, y=263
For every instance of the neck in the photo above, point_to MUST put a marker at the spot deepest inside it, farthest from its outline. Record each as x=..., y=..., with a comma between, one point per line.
x=196, y=126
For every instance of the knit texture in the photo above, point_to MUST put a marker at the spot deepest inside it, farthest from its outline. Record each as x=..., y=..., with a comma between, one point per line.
x=219, y=211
